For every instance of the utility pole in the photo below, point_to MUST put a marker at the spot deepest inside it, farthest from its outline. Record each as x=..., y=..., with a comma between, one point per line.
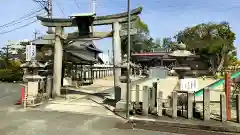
x=49, y=7
x=35, y=34
x=128, y=60
x=93, y=6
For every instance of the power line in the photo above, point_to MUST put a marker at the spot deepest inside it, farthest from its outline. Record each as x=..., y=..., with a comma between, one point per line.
x=77, y=4
x=17, y=22
x=5, y=32
x=21, y=18
x=61, y=9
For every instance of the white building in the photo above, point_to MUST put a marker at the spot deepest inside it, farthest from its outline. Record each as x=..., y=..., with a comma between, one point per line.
x=14, y=45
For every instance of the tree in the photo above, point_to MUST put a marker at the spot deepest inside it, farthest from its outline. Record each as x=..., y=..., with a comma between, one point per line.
x=212, y=41
x=140, y=42
x=167, y=43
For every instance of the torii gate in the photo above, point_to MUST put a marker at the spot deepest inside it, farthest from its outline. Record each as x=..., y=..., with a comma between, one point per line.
x=85, y=22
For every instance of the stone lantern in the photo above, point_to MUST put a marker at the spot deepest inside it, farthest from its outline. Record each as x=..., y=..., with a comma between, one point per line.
x=33, y=78
x=181, y=54
x=120, y=95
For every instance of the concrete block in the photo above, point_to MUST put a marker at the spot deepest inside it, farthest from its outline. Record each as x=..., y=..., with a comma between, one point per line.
x=174, y=104
x=206, y=104
x=223, y=108
x=145, y=100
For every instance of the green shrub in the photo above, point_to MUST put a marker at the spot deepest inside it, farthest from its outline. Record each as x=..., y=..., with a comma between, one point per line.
x=9, y=76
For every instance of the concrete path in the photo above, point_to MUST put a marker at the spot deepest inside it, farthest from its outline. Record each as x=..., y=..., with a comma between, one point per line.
x=15, y=121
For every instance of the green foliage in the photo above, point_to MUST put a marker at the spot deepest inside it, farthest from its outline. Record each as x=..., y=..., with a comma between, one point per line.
x=9, y=75
x=141, y=42
x=213, y=41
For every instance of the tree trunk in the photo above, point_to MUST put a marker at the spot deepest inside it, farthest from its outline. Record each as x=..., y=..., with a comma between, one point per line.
x=220, y=66
x=212, y=63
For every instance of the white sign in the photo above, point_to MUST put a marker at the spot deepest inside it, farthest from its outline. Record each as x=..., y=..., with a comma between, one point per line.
x=188, y=84
x=30, y=52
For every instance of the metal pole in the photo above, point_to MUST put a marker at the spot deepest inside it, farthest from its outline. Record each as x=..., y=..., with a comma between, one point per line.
x=128, y=64
x=49, y=6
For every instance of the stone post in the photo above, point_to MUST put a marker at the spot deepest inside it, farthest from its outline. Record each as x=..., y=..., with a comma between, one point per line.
x=159, y=103
x=206, y=104
x=155, y=87
x=223, y=111
x=49, y=86
x=151, y=98
x=137, y=93
x=135, y=73
x=145, y=103
x=99, y=73
x=238, y=107
x=87, y=74
x=190, y=101
x=117, y=58
x=140, y=72
x=58, y=54
x=174, y=104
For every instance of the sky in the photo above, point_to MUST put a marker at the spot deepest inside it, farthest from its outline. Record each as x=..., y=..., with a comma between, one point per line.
x=163, y=17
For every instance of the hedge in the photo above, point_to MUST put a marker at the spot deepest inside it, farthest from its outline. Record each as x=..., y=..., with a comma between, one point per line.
x=7, y=75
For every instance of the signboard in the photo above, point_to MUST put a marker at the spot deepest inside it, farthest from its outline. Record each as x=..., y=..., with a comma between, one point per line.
x=188, y=84
x=30, y=52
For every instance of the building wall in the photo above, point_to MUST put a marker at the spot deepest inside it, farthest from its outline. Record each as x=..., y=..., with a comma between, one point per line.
x=13, y=45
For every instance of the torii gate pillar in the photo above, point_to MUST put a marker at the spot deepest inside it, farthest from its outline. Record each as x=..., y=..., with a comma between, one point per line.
x=58, y=57
x=117, y=55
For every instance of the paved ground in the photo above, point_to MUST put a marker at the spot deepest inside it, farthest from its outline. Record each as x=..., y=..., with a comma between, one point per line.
x=16, y=121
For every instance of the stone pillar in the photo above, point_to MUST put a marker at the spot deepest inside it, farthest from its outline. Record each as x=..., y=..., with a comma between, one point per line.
x=94, y=74
x=137, y=94
x=135, y=72
x=174, y=104
x=117, y=58
x=99, y=73
x=153, y=96
x=49, y=86
x=87, y=74
x=206, y=104
x=190, y=101
x=145, y=103
x=140, y=72
x=223, y=111
x=159, y=103
x=58, y=54
x=238, y=107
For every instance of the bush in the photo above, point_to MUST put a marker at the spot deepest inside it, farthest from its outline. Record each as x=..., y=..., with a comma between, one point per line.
x=9, y=76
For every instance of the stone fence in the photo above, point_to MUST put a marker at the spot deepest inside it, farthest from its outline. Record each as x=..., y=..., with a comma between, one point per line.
x=149, y=100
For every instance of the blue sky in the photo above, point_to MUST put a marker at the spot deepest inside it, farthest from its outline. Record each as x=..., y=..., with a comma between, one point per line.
x=164, y=18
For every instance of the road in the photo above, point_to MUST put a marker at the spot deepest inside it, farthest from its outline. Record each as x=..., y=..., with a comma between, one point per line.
x=15, y=121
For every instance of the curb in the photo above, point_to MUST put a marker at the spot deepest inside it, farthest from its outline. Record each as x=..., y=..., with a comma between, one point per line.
x=137, y=123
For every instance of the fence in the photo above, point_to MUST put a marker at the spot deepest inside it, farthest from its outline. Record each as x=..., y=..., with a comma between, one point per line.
x=149, y=100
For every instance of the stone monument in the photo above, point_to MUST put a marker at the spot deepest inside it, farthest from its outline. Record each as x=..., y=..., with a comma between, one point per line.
x=33, y=79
